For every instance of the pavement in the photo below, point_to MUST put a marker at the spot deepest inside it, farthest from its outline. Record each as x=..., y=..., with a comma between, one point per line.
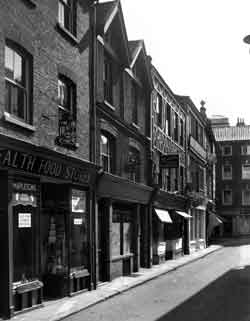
x=59, y=309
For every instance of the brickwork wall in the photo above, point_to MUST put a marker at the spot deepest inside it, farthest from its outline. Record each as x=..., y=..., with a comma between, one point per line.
x=35, y=30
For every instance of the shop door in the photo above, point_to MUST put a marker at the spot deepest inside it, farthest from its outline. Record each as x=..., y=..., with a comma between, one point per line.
x=102, y=245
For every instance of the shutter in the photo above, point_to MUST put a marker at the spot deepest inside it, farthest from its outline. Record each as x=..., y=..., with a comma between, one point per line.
x=99, y=71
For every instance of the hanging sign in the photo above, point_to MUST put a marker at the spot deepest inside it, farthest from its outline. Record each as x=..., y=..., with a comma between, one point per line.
x=24, y=220
x=77, y=221
x=170, y=161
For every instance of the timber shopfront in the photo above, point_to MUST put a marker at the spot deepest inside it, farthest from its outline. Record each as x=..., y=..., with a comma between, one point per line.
x=123, y=236
x=45, y=223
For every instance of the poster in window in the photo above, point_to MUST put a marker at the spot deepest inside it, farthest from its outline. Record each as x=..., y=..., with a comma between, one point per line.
x=78, y=201
x=24, y=220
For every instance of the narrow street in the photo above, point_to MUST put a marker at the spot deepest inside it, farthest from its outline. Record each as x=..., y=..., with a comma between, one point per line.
x=215, y=288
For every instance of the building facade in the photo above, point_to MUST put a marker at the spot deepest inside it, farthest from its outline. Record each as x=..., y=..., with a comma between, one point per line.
x=122, y=134
x=168, y=172
x=45, y=174
x=233, y=196
x=200, y=187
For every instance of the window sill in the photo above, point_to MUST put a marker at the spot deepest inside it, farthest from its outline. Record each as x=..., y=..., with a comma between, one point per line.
x=13, y=120
x=30, y=3
x=135, y=126
x=109, y=105
x=67, y=34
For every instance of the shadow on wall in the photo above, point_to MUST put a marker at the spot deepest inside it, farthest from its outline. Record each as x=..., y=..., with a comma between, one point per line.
x=226, y=299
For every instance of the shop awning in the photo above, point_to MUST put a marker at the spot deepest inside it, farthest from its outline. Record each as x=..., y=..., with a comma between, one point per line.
x=214, y=221
x=184, y=214
x=163, y=215
x=200, y=207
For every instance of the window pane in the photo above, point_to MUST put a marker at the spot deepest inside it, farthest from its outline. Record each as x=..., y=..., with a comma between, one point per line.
x=9, y=62
x=18, y=68
x=61, y=13
x=116, y=235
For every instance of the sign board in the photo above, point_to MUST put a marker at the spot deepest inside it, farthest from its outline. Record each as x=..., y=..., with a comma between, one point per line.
x=77, y=221
x=170, y=161
x=161, y=250
x=24, y=220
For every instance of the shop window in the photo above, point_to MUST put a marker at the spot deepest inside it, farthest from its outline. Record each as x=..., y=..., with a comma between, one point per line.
x=79, y=251
x=121, y=233
x=227, y=150
x=227, y=171
x=67, y=111
x=108, y=79
x=246, y=197
x=159, y=110
x=18, y=87
x=246, y=171
x=134, y=164
x=67, y=15
x=201, y=223
x=192, y=227
x=227, y=197
x=107, y=152
x=245, y=150
x=25, y=231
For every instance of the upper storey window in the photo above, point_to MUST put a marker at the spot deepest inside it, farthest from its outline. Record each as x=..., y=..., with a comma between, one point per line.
x=227, y=150
x=245, y=150
x=107, y=80
x=107, y=152
x=159, y=110
x=134, y=103
x=67, y=15
x=18, y=82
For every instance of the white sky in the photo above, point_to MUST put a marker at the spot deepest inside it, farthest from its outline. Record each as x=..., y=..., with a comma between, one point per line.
x=197, y=47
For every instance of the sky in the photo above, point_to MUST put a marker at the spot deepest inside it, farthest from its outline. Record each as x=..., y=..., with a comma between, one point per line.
x=197, y=46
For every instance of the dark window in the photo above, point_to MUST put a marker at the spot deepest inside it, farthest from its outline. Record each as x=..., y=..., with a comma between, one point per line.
x=67, y=15
x=164, y=179
x=134, y=165
x=134, y=103
x=176, y=127
x=168, y=120
x=121, y=233
x=18, y=75
x=181, y=132
x=107, y=80
x=107, y=153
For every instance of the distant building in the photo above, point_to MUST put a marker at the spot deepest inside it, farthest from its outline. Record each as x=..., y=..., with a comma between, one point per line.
x=233, y=177
x=219, y=121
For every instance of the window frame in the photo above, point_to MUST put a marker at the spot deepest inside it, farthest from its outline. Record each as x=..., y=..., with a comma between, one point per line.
x=108, y=78
x=26, y=87
x=159, y=110
x=135, y=175
x=247, y=148
x=223, y=150
x=134, y=103
x=244, y=165
x=224, y=177
x=72, y=16
x=243, y=201
x=110, y=156
x=223, y=196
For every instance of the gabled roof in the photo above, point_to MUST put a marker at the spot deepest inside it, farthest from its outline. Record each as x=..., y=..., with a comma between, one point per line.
x=105, y=15
x=137, y=48
x=234, y=133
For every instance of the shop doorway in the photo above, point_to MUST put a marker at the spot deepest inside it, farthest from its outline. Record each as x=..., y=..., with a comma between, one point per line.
x=102, y=243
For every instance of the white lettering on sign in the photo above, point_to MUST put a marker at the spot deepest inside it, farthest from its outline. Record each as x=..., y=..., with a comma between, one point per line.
x=24, y=220
x=77, y=221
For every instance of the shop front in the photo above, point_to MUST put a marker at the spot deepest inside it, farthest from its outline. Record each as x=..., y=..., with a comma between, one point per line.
x=169, y=236
x=123, y=238
x=45, y=213
x=197, y=228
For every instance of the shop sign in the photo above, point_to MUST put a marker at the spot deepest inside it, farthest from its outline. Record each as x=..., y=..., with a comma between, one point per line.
x=42, y=166
x=161, y=250
x=170, y=161
x=77, y=221
x=24, y=220
x=19, y=186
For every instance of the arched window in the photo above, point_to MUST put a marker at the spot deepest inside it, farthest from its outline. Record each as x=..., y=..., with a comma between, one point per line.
x=18, y=74
x=107, y=152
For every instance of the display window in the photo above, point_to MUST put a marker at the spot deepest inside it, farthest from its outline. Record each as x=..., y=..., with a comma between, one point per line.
x=25, y=231
x=121, y=233
x=79, y=252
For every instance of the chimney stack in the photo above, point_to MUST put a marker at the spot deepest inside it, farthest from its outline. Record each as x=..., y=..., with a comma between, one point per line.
x=240, y=122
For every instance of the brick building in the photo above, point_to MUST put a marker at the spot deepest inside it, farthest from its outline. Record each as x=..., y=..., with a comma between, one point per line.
x=122, y=129
x=45, y=175
x=233, y=179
